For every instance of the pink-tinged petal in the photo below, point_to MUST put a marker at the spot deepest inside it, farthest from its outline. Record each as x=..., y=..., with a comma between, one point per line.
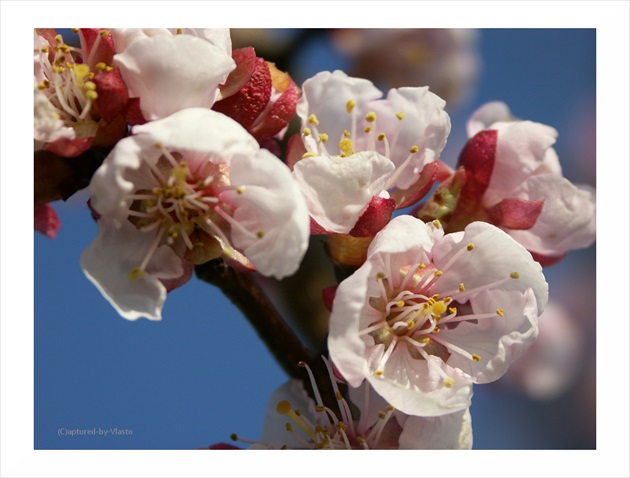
x=271, y=215
x=245, y=59
x=446, y=432
x=374, y=218
x=513, y=213
x=497, y=341
x=338, y=190
x=69, y=148
x=273, y=121
x=407, y=197
x=112, y=93
x=425, y=125
x=567, y=220
x=251, y=100
x=172, y=284
x=521, y=149
x=133, y=113
x=295, y=150
x=494, y=257
x=105, y=50
x=488, y=114
x=171, y=73
x=478, y=159
x=108, y=260
x=46, y=220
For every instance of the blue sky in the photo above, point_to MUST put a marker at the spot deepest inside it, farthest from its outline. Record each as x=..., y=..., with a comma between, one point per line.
x=201, y=373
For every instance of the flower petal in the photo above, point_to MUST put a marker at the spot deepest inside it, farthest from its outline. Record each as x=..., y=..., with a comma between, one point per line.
x=446, y=432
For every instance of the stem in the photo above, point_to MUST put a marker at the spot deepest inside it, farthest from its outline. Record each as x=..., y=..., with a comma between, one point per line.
x=247, y=295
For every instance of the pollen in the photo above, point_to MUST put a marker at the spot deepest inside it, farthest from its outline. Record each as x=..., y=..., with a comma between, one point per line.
x=461, y=287
x=104, y=33
x=240, y=189
x=470, y=246
x=347, y=133
x=515, y=275
x=449, y=382
x=378, y=373
x=370, y=117
x=400, y=115
x=437, y=223
x=381, y=137
x=283, y=407
x=367, y=129
x=500, y=313
x=413, y=149
x=400, y=303
x=476, y=358
x=306, y=131
x=135, y=274
x=350, y=105
x=323, y=137
x=313, y=120
x=438, y=273
x=345, y=145
x=426, y=340
x=308, y=155
x=260, y=234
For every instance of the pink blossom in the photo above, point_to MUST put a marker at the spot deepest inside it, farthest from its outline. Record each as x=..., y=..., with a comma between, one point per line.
x=428, y=314
x=183, y=190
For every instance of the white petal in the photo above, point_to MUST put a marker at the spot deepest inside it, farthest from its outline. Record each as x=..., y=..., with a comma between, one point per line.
x=108, y=260
x=494, y=258
x=425, y=125
x=446, y=432
x=521, y=150
x=485, y=116
x=170, y=73
x=567, y=220
x=270, y=205
x=338, y=190
x=201, y=130
x=325, y=95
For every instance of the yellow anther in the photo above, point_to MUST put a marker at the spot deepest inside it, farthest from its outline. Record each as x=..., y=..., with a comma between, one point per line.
x=400, y=303
x=240, y=189
x=378, y=373
x=439, y=307
x=44, y=49
x=452, y=310
x=515, y=275
x=302, y=364
x=288, y=427
x=381, y=137
x=347, y=133
x=380, y=275
x=390, y=408
x=437, y=223
x=308, y=155
x=476, y=358
x=370, y=117
x=234, y=437
x=323, y=137
x=345, y=145
x=461, y=287
x=438, y=273
x=59, y=39
x=449, y=382
x=436, y=330
x=135, y=274
x=75, y=30
x=313, y=120
x=350, y=105
x=500, y=313
x=338, y=395
x=426, y=340
x=91, y=95
x=81, y=71
x=283, y=407
x=179, y=31
x=470, y=246
x=413, y=149
x=89, y=85
x=319, y=408
x=228, y=253
x=101, y=66
x=306, y=131
x=103, y=33
x=400, y=115
x=367, y=129
x=382, y=415
x=410, y=325
x=422, y=265
x=65, y=48
x=260, y=234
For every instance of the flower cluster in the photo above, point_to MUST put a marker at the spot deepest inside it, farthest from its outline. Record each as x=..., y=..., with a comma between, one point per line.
x=193, y=174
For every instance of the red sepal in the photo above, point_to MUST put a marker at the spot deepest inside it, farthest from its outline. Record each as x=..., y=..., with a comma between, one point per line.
x=413, y=194
x=513, y=213
x=112, y=94
x=46, y=220
x=374, y=218
x=69, y=148
x=328, y=294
